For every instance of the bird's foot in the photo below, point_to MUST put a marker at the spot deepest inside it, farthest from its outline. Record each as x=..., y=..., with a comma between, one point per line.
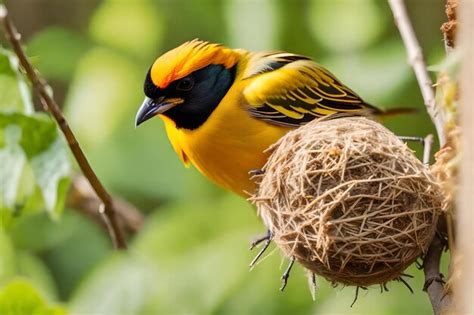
x=430, y=281
x=267, y=239
x=357, y=294
x=286, y=274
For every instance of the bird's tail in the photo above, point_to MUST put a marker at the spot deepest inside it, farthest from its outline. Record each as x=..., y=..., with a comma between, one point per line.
x=382, y=113
x=397, y=111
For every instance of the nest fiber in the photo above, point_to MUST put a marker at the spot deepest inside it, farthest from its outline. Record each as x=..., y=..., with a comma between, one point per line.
x=349, y=200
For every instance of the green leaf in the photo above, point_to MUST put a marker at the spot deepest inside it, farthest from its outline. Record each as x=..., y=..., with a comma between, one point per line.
x=13, y=160
x=24, y=233
x=19, y=297
x=34, y=165
x=14, y=91
x=51, y=169
x=7, y=258
x=33, y=268
x=38, y=131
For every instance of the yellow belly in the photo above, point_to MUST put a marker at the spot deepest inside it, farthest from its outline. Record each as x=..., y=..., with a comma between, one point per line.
x=228, y=145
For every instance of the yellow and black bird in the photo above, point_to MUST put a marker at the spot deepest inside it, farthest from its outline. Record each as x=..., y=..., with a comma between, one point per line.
x=223, y=107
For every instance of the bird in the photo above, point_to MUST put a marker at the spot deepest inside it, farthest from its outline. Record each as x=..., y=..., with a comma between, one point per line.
x=223, y=108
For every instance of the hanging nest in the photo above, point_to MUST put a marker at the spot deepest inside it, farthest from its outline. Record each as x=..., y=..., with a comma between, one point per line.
x=349, y=200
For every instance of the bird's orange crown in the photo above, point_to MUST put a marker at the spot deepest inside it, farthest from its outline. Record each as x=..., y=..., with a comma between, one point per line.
x=189, y=57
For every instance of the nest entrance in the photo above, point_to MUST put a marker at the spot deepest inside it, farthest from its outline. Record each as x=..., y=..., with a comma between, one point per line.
x=349, y=200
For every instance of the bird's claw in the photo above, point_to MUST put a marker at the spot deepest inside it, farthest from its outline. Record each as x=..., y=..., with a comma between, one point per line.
x=286, y=274
x=430, y=281
x=267, y=238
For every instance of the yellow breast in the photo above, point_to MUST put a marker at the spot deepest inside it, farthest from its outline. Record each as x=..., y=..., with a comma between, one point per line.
x=228, y=145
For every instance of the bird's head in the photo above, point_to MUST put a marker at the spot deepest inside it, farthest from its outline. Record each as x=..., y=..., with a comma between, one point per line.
x=187, y=83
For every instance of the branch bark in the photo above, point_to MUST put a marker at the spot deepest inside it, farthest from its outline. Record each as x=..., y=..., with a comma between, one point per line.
x=40, y=86
x=434, y=284
x=417, y=62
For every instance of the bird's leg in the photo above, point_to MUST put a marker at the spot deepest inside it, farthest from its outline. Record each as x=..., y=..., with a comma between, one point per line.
x=313, y=280
x=286, y=274
x=405, y=282
x=258, y=240
x=313, y=286
x=267, y=238
x=356, y=296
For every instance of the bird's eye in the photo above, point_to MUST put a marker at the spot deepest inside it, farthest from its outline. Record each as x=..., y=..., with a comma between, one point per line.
x=185, y=84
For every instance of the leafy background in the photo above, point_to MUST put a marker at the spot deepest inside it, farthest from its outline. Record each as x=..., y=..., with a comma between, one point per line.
x=191, y=256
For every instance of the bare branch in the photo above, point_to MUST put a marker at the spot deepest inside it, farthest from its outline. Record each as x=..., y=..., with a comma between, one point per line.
x=83, y=198
x=427, y=145
x=416, y=60
x=434, y=283
x=40, y=86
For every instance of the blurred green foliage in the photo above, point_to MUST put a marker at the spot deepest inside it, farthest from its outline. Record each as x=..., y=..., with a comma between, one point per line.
x=191, y=256
x=35, y=167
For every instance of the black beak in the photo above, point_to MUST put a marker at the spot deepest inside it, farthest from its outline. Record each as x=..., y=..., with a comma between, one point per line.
x=150, y=108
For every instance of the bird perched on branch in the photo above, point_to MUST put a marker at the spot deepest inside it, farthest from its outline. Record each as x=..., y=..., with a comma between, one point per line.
x=222, y=107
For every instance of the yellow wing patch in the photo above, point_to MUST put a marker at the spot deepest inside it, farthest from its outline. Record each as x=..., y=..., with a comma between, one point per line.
x=291, y=90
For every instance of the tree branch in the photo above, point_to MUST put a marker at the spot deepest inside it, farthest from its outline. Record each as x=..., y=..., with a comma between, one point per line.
x=416, y=60
x=83, y=198
x=434, y=285
x=41, y=87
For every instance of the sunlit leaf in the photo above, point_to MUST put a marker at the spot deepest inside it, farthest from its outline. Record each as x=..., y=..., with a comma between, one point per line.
x=19, y=297
x=33, y=268
x=14, y=92
x=32, y=153
x=51, y=169
x=37, y=131
x=12, y=161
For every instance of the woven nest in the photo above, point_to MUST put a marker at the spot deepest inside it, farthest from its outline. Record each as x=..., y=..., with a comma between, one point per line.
x=348, y=200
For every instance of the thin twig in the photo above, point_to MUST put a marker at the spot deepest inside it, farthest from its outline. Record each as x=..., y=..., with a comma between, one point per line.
x=416, y=60
x=427, y=145
x=40, y=85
